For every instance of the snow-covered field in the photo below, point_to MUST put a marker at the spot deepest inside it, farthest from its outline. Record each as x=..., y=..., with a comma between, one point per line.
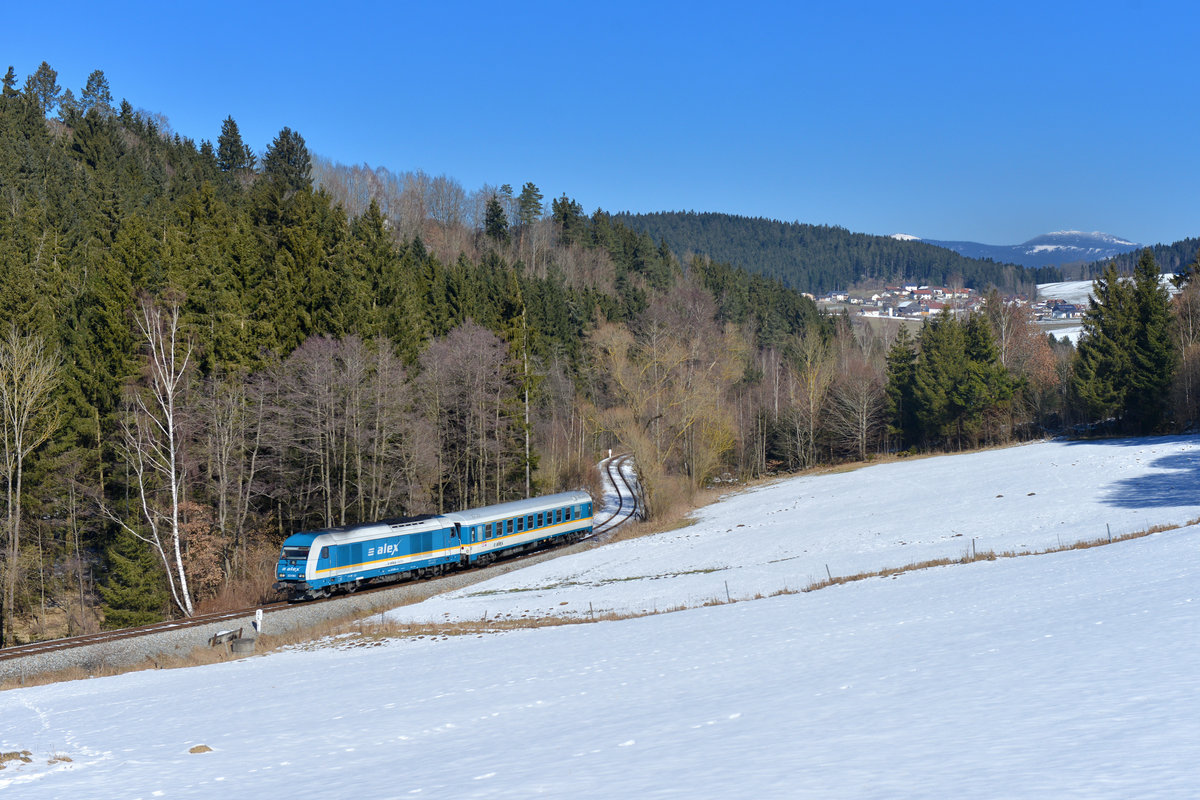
x=1077, y=292
x=788, y=534
x=1067, y=675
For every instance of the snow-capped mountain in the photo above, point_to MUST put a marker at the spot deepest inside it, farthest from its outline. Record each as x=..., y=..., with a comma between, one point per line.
x=1058, y=248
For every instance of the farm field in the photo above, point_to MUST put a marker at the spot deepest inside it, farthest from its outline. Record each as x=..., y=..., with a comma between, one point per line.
x=1071, y=674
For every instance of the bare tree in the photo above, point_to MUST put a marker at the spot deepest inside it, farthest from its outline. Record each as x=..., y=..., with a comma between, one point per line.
x=313, y=398
x=669, y=390
x=232, y=412
x=153, y=442
x=28, y=417
x=811, y=372
x=466, y=391
x=413, y=204
x=447, y=205
x=856, y=406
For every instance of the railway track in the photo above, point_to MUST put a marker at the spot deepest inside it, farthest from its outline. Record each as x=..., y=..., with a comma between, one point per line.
x=627, y=499
x=627, y=508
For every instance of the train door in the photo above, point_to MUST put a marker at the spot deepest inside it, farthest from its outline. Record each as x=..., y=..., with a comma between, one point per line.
x=460, y=537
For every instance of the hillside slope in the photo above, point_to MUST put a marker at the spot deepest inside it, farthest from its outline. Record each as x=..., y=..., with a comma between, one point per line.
x=1063, y=675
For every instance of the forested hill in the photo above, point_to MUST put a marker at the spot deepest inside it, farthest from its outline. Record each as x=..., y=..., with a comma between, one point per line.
x=818, y=258
x=1169, y=257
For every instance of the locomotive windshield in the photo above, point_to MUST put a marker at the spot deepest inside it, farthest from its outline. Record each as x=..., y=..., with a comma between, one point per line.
x=295, y=553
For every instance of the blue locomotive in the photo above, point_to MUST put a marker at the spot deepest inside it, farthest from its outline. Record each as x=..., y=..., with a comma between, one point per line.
x=317, y=563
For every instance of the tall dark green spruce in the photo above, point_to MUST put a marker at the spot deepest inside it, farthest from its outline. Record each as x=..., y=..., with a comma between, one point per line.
x=287, y=161
x=233, y=155
x=134, y=592
x=495, y=223
x=901, y=406
x=940, y=372
x=1127, y=355
x=988, y=389
x=1154, y=354
x=1102, y=366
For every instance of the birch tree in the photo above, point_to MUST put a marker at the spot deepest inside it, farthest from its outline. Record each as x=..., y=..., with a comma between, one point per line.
x=152, y=442
x=28, y=417
x=811, y=372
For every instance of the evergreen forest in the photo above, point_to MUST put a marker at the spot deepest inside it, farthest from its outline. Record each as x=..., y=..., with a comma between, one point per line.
x=206, y=346
x=822, y=258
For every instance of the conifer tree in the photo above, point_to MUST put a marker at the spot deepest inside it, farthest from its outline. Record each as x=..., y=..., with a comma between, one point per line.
x=68, y=107
x=1103, y=363
x=495, y=224
x=232, y=153
x=1154, y=356
x=941, y=369
x=529, y=205
x=96, y=95
x=10, y=84
x=43, y=86
x=987, y=387
x=568, y=214
x=901, y=405
x=287, y=161
x=134, y=592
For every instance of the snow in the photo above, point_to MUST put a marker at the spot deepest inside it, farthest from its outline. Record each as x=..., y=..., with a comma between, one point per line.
x=1063, y=675
x=1107, y=238
x=785, y=535
x=906, y=237
x=1071, y=333
x=1077, y=292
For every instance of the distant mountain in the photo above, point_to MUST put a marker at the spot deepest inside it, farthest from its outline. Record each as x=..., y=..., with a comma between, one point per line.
x=1052, y=249
x=818, y=258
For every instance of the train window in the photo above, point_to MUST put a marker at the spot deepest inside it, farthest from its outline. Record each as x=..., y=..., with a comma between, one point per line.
x=509, y=526
x=558, y=515
x=520, y=524
x=488, y=531
x=295, y=553
x=587, y=509
x=529, y=522
x=324, y=552
x=541, y=520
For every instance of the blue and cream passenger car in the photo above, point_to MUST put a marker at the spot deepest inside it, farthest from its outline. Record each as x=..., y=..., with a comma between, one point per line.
x=316, y=563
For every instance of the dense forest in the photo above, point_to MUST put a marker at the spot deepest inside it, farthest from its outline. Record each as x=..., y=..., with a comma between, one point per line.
x=207, y=347
x=820, y=258
x=1173, y=258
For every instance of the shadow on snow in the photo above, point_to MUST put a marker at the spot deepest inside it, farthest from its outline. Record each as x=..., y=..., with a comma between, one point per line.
x=1174, y=481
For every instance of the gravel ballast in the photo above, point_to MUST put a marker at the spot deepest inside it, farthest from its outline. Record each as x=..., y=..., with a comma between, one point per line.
x=135, y=650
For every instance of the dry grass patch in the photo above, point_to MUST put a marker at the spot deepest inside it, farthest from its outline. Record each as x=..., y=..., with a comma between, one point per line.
x=973, y=555
x=22, y=756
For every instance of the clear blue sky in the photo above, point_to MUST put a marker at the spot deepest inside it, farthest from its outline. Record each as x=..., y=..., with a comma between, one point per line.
x=991, y=122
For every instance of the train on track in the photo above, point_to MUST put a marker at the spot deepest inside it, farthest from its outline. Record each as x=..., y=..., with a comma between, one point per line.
x=316, y=564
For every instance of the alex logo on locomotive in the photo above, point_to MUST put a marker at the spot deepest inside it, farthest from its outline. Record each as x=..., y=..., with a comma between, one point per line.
x=383, y=550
